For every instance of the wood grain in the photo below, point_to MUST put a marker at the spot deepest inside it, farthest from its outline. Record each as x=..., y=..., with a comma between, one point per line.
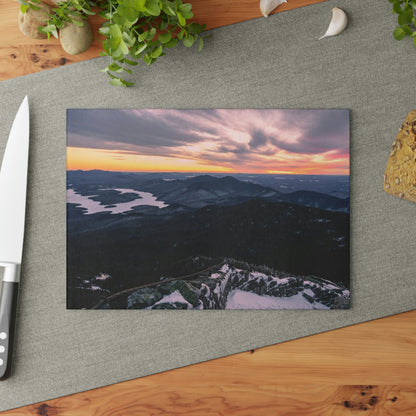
x=20, y=55
x=148, y=398
x=363, y=369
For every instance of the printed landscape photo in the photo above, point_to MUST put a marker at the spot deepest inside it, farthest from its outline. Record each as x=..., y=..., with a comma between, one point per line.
x=208, y=209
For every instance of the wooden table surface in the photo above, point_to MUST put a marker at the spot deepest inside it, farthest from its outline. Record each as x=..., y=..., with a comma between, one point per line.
x=368, y=368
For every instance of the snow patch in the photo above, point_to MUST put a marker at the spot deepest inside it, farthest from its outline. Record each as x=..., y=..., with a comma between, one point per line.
x=102, y=276
x=94, y=207
x=239, y=299
x=173, y=297
x=225, y=268
x=215, y=276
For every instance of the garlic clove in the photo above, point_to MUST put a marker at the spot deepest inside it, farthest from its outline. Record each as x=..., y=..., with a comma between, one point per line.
x=267, y=6
x=338, y=23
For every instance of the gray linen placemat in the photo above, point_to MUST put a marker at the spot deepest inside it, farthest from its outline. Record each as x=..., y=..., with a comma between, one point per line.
x=264, y=63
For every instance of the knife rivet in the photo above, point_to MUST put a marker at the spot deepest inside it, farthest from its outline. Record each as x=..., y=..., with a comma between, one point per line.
x=2, y=349
x=1, y=362
x=3, y=335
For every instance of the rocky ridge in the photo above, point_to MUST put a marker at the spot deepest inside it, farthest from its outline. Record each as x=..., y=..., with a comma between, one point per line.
x=212, y=291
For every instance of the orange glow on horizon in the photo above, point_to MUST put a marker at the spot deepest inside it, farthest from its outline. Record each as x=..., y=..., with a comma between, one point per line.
x=89, y=159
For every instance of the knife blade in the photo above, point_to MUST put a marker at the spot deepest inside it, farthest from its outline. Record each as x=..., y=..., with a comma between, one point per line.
x=13, y=182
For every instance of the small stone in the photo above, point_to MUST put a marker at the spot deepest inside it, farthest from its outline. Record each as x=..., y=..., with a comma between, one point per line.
x=32, y=19
x=76, y=39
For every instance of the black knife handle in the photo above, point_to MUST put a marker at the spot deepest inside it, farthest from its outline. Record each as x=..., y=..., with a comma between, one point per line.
x=8, y=307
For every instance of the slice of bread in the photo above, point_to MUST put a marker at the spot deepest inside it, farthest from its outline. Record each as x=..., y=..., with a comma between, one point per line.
x=400, y=174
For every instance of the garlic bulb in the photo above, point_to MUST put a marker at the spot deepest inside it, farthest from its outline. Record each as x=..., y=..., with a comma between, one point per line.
x=267, y=6
x=338, y=23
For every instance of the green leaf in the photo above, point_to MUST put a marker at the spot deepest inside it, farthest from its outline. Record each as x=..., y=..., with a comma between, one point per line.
x=104, y=30
x=397, y=8
x=115, y=34
x=60, y=25
x=141, y=5
x=181, y=19
x=49, y=29
x=77, y=23
x=407, y=29
x=122, y=21
x=189, y=41
x=399, y=33
x=105, y=15
x=113, y=67
x=180, y=35
x=163, y=25
x=413, y=3
x=151, y=34
x=87, y=12
x=141, y=49
x=173, y=42
x=116, y=45
x=129, y=9
x=132, y=63
x=165, y=37
x=156, y=53
x=405, y=17
x=195, y=28
x=201, y=44
x=152, y=7
x=147, y=59
x=143, y=36
x=128, y=39
x=168, y=9
x=23, y=8
x=186, y=10
x=117, y=82
x=33, y=7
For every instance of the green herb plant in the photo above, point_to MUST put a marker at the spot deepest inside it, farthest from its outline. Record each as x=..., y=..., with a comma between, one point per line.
x=406, y=11
x=133, y=29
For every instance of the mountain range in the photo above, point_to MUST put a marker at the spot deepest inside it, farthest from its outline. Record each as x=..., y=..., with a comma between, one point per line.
x=302, y=232
x=198, y=191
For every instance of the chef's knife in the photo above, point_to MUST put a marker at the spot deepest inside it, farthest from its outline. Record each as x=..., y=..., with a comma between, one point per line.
x=13, y=179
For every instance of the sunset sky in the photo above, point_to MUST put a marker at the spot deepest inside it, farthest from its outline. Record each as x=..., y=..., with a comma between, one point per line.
x=234, y=141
